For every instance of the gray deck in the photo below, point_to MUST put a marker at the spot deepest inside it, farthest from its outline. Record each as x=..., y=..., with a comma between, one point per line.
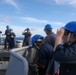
x=3, y=64
x=1, y=47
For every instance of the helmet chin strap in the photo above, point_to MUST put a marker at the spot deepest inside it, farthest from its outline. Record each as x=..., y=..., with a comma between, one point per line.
x=68, y=37
x=36, y=46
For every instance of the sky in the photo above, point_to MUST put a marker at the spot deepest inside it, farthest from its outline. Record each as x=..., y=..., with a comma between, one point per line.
x=35, y=14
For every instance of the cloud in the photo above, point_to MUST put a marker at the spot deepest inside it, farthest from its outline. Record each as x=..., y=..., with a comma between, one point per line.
x=38, y=30
x=57, y=23
x=34, y=20
x=7, y=20
x=45, y=1
x=12, y=2
x=67, y=2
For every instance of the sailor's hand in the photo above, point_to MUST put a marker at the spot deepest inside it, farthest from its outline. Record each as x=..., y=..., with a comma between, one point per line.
x=12, y=36
x=59, y=37
x=60, y=33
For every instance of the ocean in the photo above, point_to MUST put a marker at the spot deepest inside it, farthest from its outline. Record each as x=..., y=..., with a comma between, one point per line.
x=17, y=38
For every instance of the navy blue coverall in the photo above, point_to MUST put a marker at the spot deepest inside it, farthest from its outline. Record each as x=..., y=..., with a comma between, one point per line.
x=44, y=54
x=66, y=55
x=26, y=40
x=7, y=39
x=12, y=42
x=50, y=39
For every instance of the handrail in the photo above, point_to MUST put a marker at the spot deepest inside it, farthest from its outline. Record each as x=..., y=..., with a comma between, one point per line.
x=19, y=49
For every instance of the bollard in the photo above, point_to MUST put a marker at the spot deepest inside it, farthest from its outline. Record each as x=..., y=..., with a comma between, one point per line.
x=19, y=43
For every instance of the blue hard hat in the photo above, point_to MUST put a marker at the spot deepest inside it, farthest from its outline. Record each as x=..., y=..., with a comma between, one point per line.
x=47, y=26
x=11, y=29
x=35, y=38
x=71, y=26
x=7, y=26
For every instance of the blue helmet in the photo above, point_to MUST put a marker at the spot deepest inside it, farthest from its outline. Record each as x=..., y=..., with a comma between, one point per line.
x=71, y=26
x=11, y=29
x=7, y=26
x=35, y=38
x=47, y=26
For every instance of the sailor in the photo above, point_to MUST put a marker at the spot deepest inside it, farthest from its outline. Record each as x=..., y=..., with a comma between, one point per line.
x=27, y=35
x=50, y=35
x=45, y=52
x=12, y=41
x=7, y=33
x=66, y=53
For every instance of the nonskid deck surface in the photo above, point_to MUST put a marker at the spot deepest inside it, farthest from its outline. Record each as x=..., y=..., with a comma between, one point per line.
x=3, y=60
x=1, y=47
x=4, y=54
